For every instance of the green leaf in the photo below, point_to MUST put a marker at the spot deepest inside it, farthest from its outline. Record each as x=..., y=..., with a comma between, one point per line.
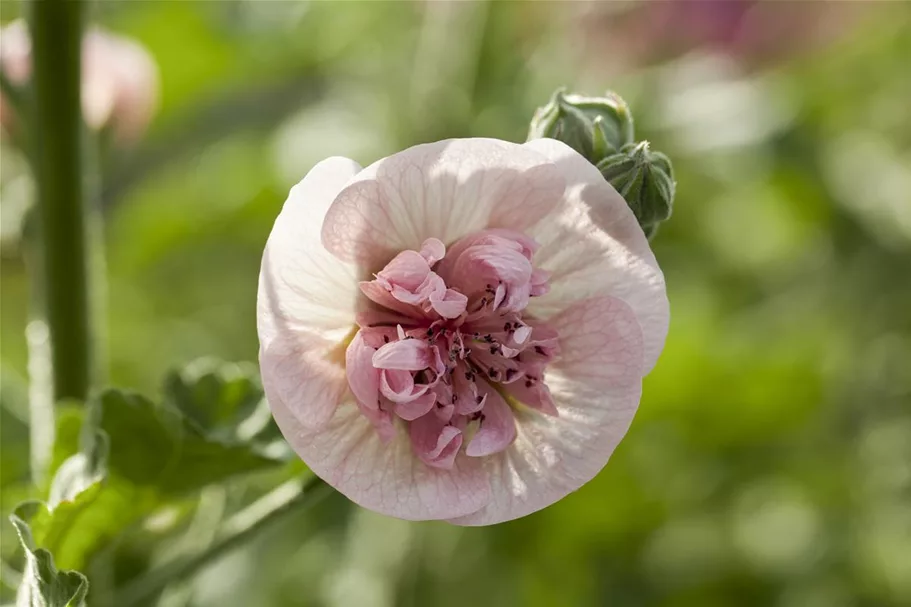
x=67, y=439
x=76, y=485
x=80, y=472
x=117, y=506
x=225, y=399
x=156, y=445
x=144, y=456
x=43, y=585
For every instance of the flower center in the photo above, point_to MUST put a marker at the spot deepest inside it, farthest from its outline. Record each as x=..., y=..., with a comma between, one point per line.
x=447, y=340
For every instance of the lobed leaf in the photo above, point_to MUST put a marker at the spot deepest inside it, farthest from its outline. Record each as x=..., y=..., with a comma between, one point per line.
x=42, y=584
x=157, y=445
x=132, y=458
x=226, y=399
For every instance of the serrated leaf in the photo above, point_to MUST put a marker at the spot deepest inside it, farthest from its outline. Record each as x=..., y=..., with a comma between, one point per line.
x=50, y=528
x=154, y=444
x=81, y=471
x=117, y=506
x=225, y=399
x=42, y=584
x=156, y=455
x=69, y=423
x=77, y=485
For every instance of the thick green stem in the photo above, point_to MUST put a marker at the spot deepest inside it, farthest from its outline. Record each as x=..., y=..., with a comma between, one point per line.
x=56, y=28
x=238, y=529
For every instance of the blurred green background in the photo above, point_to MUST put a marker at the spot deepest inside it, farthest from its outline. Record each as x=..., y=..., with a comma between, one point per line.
x=770, y=461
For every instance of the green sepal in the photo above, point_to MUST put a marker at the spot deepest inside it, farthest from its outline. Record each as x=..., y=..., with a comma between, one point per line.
x=645, y=179
x=593, y=126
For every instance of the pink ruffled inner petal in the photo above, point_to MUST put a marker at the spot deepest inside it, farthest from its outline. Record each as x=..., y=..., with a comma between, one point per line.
x=436, y=443
x=405, y=354
x=497, y=426
x=447, y=342
x=363, y=377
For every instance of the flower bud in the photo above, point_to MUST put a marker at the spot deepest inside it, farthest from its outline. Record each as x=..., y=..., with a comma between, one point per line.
x=119, y=85
x=596, y=127
x=645, y=179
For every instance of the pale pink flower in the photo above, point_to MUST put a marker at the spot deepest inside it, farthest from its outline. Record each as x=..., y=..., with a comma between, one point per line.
x=458, y=331
x=756, y=32
x=119, y=79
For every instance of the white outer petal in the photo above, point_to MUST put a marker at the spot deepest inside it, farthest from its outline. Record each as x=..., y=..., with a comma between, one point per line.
x=593, y=245
x=385, y=477
x=303, y=287
x=306, y=307
x=552, y=457
x=306, y=300
x=445, y=190
x=596, y=387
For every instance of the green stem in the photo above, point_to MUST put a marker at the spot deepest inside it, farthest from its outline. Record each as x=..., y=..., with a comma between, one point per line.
x=238, y=529
x=56, y=29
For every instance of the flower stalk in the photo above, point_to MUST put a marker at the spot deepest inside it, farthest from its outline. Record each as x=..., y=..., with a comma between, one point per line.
x=56, y=33
x=246, y=524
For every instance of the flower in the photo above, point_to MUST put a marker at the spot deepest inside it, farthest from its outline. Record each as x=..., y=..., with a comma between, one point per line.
x=458, y=331
x=119, y=79
x=756, y=33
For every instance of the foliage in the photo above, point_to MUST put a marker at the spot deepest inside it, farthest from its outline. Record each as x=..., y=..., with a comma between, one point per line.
x=122, y=459
x=768, y=463
x=42, y=585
